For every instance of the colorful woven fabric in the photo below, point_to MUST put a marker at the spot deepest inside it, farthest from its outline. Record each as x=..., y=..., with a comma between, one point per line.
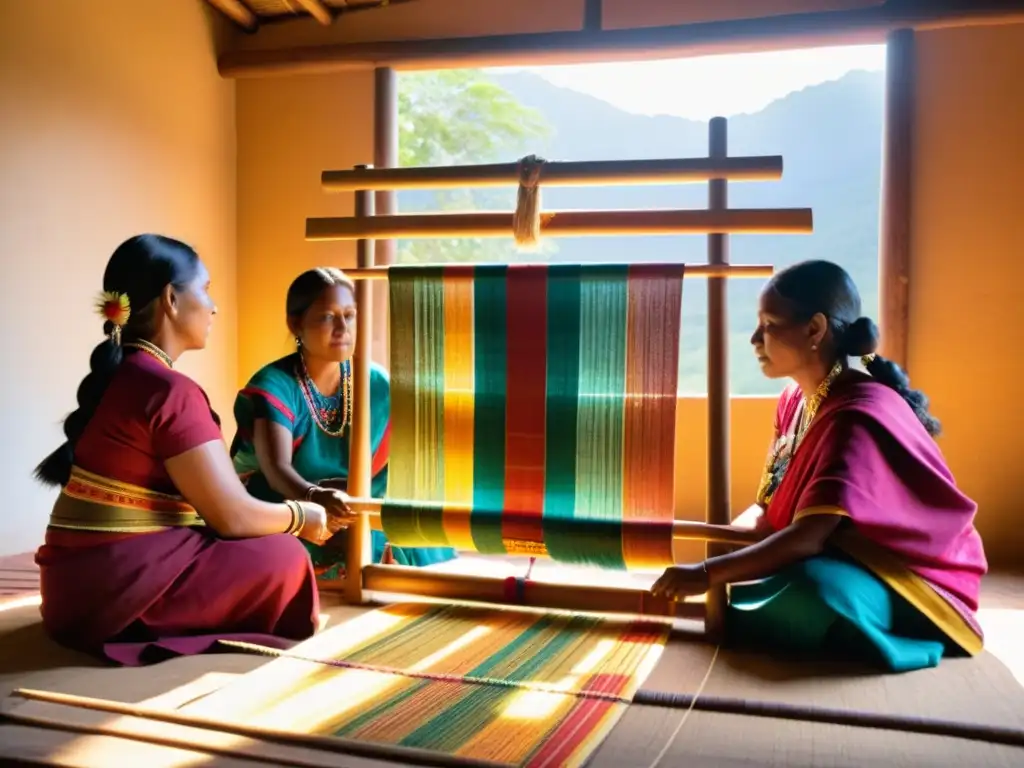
x=510, y=686
x=533, y=410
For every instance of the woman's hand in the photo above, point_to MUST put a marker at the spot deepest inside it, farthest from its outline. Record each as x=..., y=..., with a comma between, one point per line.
x=682, y=581
x=316, y=526
x=339, y=514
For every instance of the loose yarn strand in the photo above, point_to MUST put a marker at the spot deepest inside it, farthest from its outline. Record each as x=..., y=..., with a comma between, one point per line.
x=686, y=714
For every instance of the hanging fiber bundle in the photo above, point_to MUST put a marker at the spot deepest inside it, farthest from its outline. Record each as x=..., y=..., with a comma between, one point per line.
x=526, y=219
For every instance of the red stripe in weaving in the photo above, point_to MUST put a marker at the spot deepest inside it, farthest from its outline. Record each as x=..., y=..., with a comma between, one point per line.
x=525, y=413
x=580, y=724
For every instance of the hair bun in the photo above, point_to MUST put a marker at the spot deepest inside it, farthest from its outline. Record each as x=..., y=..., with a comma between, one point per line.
x=860, y=338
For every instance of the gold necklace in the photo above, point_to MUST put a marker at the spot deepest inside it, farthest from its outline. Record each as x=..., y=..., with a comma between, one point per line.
x=786, y=445
x=152, y=350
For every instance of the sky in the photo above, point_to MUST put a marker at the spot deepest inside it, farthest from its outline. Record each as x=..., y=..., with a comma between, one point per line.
x=701, y=88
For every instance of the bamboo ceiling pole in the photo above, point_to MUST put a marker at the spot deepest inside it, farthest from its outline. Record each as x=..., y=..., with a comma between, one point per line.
x=404, y=580
x=692, y=270
x=590, y=173
x=784, y=221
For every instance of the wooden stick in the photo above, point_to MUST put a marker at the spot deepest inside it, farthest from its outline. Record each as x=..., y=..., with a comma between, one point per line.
x=318, y=11
x=685, y=530
x=747, y=35
x=591, y=173
x=238, y=12
x=381, y=272
x=791, y=221
x=334, y=744
x=385, y=155
x=897, y=193
x=361, y=456
x=405, y=580
x=718, y=505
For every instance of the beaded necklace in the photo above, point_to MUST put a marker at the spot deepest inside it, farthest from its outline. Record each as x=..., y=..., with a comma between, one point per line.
x=786, y=445
x=332, y=414
x=150, y=349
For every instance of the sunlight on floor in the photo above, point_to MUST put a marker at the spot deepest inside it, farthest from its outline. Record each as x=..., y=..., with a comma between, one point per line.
x=102, y=750
x=20, y=602
x=1004, y=637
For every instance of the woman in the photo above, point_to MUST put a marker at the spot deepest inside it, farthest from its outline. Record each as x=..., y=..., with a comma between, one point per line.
x=154, y=548
x=293, y=440
x=869, y=549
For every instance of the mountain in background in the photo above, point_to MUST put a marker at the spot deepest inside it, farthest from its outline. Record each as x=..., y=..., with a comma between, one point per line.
x=829, y=136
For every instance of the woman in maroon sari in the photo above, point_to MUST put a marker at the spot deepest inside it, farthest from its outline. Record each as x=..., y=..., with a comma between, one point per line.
x=869, y=549
x=154, y=547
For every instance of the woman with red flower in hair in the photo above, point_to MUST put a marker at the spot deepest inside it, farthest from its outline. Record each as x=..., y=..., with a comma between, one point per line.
x=154, y=548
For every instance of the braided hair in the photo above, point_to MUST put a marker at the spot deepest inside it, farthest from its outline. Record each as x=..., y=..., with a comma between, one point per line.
x=140, y=269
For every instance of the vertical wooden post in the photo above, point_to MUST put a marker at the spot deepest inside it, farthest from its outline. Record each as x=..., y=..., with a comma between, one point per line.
x=718, y=502
x=897, y=166
x=360, y=453
x=385, y=155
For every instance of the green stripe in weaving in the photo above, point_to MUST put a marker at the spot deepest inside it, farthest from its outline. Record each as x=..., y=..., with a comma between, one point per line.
x=599, y=428
x=417, y=383
x=461, y=721
x=563, y=381
x=480, y=670
x=429, y=340
x=413, y=523
x=490, y=366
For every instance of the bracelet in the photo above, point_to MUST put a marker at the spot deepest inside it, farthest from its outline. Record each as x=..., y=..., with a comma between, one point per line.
x=298, y=521
x=310, y=491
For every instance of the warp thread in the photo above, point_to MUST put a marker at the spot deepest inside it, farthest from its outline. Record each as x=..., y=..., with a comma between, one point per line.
x=526, y=219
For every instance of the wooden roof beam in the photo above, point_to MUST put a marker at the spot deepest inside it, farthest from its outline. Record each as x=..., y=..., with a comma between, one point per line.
x=861, y=25
x=318, y=11
x=238, y=12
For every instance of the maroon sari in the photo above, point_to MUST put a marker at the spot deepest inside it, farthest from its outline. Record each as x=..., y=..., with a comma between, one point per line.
x=126, y=571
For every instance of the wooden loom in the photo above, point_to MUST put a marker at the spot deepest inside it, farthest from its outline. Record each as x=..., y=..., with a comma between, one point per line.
x=717, y=221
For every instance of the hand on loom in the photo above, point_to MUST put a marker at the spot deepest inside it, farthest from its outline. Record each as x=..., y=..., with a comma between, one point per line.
x=682, y=581
x=335, y=502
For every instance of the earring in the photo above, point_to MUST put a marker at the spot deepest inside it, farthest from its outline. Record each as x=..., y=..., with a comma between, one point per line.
x=298, y=343
x=814, y=347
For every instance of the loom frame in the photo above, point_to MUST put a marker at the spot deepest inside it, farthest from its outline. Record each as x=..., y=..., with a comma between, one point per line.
x=717, y=169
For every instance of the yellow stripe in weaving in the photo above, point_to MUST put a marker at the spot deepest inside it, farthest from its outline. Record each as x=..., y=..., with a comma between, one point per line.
x=402, y=461
x=458, y=405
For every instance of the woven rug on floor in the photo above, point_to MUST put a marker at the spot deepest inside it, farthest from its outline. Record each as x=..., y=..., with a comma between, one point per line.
x=508, y=686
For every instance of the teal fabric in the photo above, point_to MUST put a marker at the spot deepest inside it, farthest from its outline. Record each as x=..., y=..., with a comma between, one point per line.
x=834, y=607
x=273, y=393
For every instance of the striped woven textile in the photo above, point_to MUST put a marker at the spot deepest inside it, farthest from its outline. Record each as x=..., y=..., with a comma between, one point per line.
x=513, y=687
x=533, y=410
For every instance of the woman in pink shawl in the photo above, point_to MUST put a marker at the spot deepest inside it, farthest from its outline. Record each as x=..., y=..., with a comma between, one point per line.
x=869, y=549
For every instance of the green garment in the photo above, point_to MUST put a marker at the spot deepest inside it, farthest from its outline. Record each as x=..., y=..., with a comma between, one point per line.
x=833, y=606
x=274, y=393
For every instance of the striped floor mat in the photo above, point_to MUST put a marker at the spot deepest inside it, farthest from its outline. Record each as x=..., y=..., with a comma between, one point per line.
x=502, y=686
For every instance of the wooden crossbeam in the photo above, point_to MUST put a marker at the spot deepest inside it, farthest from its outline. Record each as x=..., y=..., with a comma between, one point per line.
x=238, y=12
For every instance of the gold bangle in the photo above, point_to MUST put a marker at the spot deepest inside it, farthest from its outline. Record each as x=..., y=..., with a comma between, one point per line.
x=310, y=491
x=302, y=519
x=296, y=509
